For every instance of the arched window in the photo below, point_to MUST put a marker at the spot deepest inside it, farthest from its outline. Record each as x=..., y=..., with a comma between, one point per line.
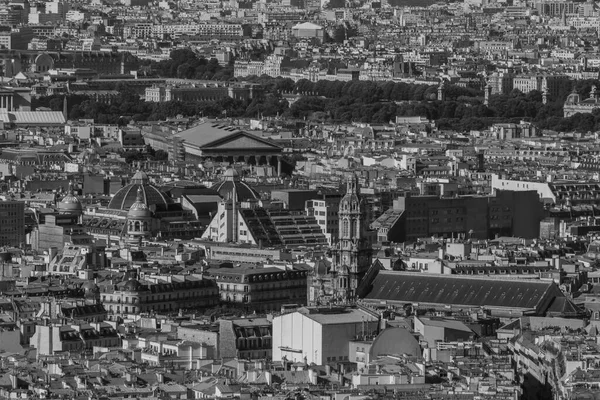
x=345, y=228
x=353, y=227
x=137, y=226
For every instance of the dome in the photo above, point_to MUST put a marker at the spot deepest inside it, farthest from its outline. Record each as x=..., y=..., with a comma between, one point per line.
x=573, y=98
x=395, y=341
x=151, y=195
x=70, y=203
x=230, y=174
x=139, y=209
x=90, y=290
x=132, y=285
x=233, y=187
x=140, y=177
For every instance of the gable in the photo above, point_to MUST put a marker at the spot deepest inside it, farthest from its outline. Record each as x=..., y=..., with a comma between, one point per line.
x=241, y=141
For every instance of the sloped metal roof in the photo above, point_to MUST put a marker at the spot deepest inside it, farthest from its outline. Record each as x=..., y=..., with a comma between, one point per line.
x=454, y=290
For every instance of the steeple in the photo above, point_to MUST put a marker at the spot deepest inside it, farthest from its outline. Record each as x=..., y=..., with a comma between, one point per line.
x=352, y=254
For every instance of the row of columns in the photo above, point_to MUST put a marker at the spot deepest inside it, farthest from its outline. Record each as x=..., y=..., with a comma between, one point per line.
x=257, y=158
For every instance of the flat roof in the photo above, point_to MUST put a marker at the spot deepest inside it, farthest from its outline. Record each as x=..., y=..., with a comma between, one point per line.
x=349, y=315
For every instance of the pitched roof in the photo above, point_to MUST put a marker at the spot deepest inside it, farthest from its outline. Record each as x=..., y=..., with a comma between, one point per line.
x=459, y=290
x=307, y=25
x=33, y=117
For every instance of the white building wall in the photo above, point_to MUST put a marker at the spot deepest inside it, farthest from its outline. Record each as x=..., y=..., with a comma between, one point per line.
x=319, y=343
x=542, y=188
x=296, y=331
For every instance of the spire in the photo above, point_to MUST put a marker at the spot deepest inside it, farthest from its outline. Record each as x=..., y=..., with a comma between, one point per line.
x=351, y=184
x=140, y=195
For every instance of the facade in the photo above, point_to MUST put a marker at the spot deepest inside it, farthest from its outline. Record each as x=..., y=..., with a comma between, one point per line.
x=514, y=131
x=140, y=211
x=507, y=213
x=212, y=91
x=245, y=338
x=241, y=219
x=261, y=289
x=220, y=142
x=12, y=230
x=351, y=253
x=576, y=105
x=133, y=297
x=308, y=30
x=320, y=335
x=325, y=210
x=52, y=339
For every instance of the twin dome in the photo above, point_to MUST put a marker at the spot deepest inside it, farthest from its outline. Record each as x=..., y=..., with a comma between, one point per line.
x=139, y=196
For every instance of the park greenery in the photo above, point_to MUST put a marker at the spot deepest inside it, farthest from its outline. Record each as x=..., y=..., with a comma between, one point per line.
x=462, y=110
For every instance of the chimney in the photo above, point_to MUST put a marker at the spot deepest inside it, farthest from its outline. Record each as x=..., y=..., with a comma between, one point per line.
x=269, y=378
x=13, y=381
x=312, y=376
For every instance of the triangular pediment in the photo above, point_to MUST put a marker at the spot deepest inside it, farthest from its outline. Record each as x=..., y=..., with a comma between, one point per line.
x=241, y=141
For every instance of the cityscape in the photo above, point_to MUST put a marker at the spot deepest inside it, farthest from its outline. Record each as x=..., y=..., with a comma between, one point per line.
x=300, y=199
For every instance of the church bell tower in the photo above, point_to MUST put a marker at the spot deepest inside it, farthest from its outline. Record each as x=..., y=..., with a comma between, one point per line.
x=352, y=252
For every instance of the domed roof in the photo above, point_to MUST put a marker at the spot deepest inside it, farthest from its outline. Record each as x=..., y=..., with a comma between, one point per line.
x=90, y=289
x=132, y=285
x=139, y=209
x=233, y=187
x=230, y=173
x=151, y=195
x=70, y=203
x=395, y=341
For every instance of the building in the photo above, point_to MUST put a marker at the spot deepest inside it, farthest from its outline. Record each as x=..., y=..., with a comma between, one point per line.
x=134, y=297
x=320, y=335
x=508, y=131
x=391, y=341
x=220, y=142
x=550, y=85
x=558, y=192
x=61, y=227
x=140, y=211
x=57, y=338
x=202, y=91
x=576, y=105
x=444, y=330
x=507, y=213
x=351, y=254
x=325, y=209
x=261, y=289
x=308, y=30
x=245, y=338
x=241, y=219
x=508, y=298
x=16, y=39
x=12, y=227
